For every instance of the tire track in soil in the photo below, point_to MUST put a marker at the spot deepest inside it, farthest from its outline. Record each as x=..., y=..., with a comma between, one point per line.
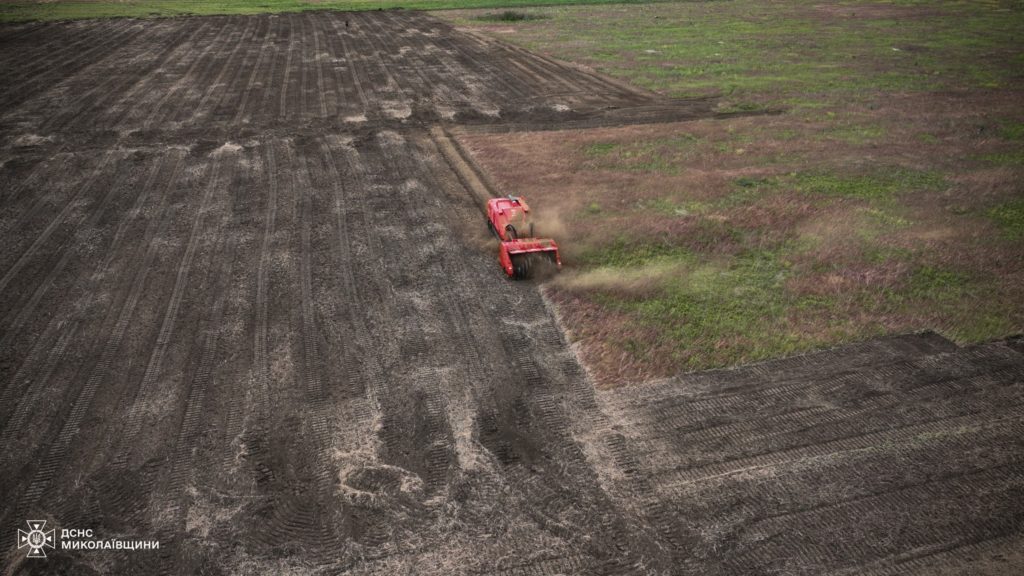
x=372, y=521
x=137, y=104
x=474, y=65
x=321, y=99
x=129, y=100
x=392, y=88
x=899, y=433
x=863, y=422
x=20, y=223
x=303, y=69
x=351, y=365
x=73, y=247
x=124, y=490
x=200, y=110
x=472, y=87
x=109, y=30
x=549, y=501
x=256, y=418
x=271, y=32
x=811, y=487
x=168, y=501
x=142, y=396
x=19, y=93
x=332, y=44
x=54, y=223
x=367, y=292
x=37, y=51
x=185, y=78
x=350, y=64
x=587, y=82
x=754, y=388
x=293, y=515
x=117, y=80
x=282, y=110
x=227, y=105
x=929, y=559
x=17, y=188
x=432, y=435
x=28, y=30
x=811, y=542
x=242, y=464
x=263, y=110
x=58, y=448
x=30, y=397
x=541, y=77
x=357, y=237
x=68, y=326
x=401, y=61
x=221, y=90
x=887, y=383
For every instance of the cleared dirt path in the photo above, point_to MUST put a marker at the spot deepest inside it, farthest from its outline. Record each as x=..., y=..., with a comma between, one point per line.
x=244, y=311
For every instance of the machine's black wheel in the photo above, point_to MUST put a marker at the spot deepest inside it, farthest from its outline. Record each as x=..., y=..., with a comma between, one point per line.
x=510, y=232
x=520, y=266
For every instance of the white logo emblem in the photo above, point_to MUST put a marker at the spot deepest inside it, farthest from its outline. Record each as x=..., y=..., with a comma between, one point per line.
x=36, y=539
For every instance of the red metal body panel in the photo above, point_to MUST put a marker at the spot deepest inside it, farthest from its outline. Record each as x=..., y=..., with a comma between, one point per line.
x=509, y=211
x=509, y=219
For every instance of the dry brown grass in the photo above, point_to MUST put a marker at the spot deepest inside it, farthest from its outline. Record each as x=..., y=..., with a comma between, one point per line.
x=926, y=256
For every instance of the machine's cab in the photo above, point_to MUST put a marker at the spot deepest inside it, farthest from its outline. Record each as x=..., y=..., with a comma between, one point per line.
x=509, y=218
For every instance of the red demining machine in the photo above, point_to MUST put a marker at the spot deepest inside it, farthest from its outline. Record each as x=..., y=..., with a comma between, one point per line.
x=521, y=254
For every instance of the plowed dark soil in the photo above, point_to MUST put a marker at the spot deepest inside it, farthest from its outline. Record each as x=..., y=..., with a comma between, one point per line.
x=245, y=313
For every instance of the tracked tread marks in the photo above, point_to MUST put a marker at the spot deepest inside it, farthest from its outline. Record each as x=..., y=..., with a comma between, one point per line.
x=778, y=445
x=58, y=449
x=53, y=225
x=136, y=411
x=229, y=72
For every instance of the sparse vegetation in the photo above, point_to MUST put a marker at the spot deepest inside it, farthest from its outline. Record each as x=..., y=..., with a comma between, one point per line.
x=878, y=201
x=1010, y=218
x=883, y=183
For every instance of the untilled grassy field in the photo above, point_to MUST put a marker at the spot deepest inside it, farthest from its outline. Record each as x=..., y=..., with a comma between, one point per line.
x=879, y=192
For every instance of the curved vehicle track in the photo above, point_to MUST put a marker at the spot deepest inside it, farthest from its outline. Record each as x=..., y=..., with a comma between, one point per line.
x=245, y=311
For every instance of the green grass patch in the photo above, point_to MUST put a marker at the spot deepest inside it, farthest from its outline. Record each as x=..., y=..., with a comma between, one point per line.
x=858, y=134
x=883, y=184
x=758, y=55
x=1012, y=131
x=661, y=155
x=1012, y=158
x=623, y=253
x=933, y=283
x=1009, y=217
x=741, y=301
x=600, y=149
x=881, y=254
